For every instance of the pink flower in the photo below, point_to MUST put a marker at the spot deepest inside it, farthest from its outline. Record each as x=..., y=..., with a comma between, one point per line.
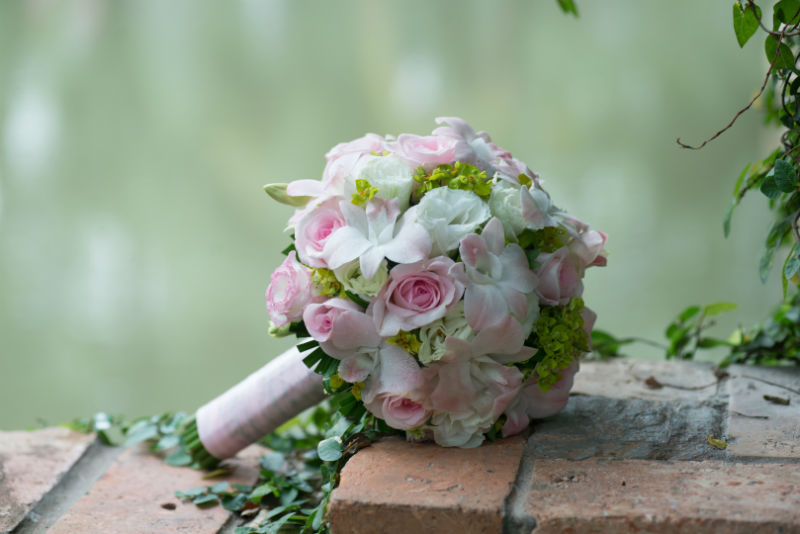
x=341, y=328
x=560, y=272
x=468, y=395
x=313, y=230
x=497, y=277
x=559, y=277
x=416, y=294
x=532, y=403
x=363, y=145
x=428, y=151
x=589, y=248
x=376, y=233
x=289, y=291
x=396, y=392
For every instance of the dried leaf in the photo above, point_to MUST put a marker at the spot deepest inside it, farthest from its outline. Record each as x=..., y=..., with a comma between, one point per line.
x=652, y=383
x=716, y=443
x=221, y=472
x=777, y=400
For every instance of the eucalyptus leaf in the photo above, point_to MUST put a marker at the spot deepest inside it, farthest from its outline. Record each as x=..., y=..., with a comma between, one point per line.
x=206, y=500
x=179, y=458
x=330, y=449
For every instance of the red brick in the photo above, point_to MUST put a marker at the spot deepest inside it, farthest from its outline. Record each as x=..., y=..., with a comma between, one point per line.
x=31, y=464
x=601, y=496
x=627, y=379
x=130, y=497
x=394, y=486
x=756, y=426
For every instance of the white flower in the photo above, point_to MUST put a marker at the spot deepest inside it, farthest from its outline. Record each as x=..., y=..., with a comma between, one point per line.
x=450, y=214
x=519, y=208
x=375, y=233
x=434, y=335
x=390, y=175
x=353, y=279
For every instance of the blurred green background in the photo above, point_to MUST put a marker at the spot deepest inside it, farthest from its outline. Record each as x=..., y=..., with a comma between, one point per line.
x=135, y=239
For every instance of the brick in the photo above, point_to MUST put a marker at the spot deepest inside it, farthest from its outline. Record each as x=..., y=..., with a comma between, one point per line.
x=31, y=464
x=610, y=496
x=137, y=495
x=628, y=379
x=591, y=427
x=759, y=428
x=395, y=486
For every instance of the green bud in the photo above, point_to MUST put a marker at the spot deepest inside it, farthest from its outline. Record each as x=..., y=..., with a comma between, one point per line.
x=279, y=331
x=278, y=192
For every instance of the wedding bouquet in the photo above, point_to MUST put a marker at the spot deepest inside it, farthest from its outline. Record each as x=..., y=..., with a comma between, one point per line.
x=436, y=283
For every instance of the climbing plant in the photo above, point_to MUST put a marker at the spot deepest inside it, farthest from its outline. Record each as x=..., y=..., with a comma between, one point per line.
x=777, y=177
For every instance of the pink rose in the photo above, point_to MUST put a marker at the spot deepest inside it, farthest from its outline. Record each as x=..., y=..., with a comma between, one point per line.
x=559, y=277
x=428, y=151
x=415, y=294
x=396, y=392
x=313, y=229
x=340, y=327
x=289, y=291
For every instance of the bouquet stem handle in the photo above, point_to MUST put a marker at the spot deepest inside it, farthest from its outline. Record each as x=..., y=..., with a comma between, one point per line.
x=253, y=408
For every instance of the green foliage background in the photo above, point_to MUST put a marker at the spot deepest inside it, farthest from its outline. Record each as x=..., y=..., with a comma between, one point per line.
x=135, y=239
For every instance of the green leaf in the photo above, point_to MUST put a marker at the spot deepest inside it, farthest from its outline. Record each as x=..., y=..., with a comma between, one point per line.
x=740, y=180
x=780, y=58
x=710, y=342
x=786, y=12
x=792, y=265
x=179, y=458
x=726, y=222
x=785, y=176
x=141, y=432
x=718, y=307
x=330, y=450
x=688, y=313
x=234, y=503
x=261, y=491
x=166, y=442
x=203, y=501
x=272, y=461
x=219, y=487
x=190, y=493
x=769, y=188
x=745, y=22
x=568, y=6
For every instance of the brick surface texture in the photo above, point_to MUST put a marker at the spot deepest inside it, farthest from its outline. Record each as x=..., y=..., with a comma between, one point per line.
x=629, y=453
x=31, y=464
x=394, y=486
x=137, y=495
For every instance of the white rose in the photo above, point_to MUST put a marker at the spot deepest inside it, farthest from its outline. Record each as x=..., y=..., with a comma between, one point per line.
x=519, y=208
x=353, y=279
x=450, y=214
x=390, y=175
x=434, y=335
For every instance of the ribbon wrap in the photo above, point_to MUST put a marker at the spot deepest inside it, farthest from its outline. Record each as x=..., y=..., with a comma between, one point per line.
x=258, y=405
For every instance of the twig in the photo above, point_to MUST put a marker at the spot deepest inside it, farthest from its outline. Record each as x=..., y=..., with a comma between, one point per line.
x=796, y=392
x=741, y=111
x=740, y=414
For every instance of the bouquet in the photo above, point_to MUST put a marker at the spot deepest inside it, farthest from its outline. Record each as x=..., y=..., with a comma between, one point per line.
x=431, y=279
